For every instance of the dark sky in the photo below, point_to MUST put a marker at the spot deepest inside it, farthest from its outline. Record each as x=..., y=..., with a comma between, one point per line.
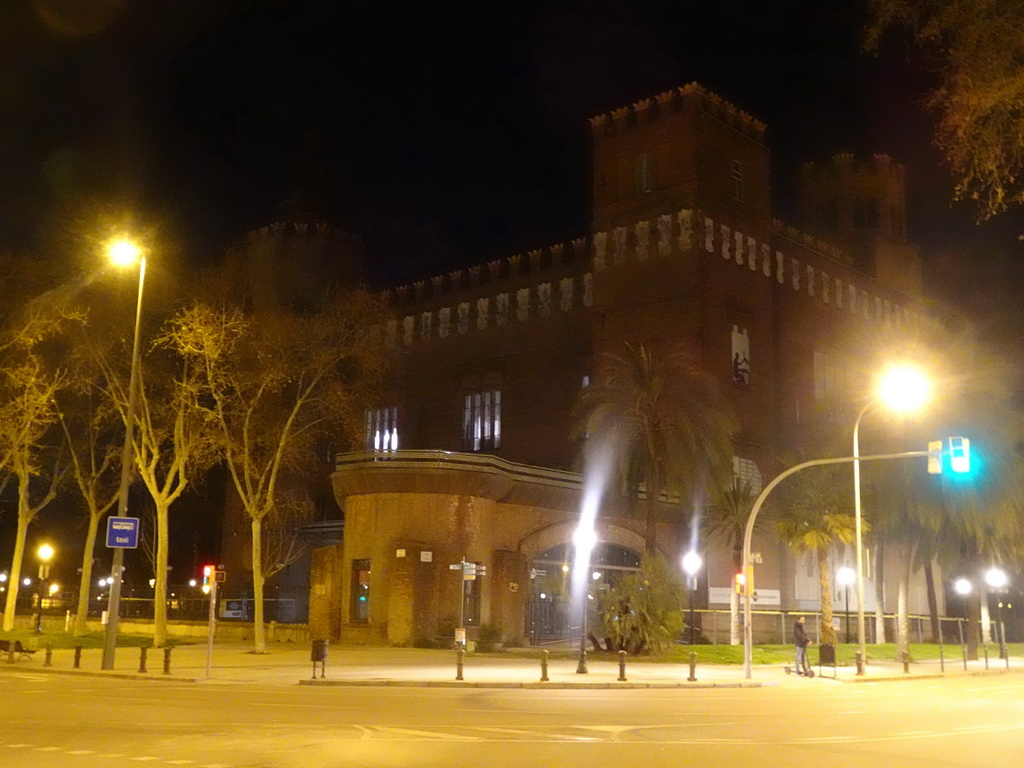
x=442, y=132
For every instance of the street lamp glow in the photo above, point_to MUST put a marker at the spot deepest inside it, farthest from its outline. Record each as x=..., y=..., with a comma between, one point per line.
x=26, y=581
x=962, y=586
x=45, y=553
x=846, y=576
x=123, y=252
x=54, y=588
x=692, y=563
x=3, y=578
x=996, y=578
x=584, y=540
x=904, y=388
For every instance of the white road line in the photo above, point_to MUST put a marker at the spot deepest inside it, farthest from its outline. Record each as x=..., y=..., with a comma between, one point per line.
x=18, y=746
x=914, y=733
x=79, y=752
x=179, y=762
x=48, y=749
x=144, y=759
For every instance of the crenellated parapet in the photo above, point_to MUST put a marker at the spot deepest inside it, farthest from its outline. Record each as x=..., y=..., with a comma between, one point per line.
x=645, y=111
x=789, y=232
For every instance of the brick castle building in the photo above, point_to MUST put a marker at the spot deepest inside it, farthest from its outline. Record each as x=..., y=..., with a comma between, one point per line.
x=472, y=455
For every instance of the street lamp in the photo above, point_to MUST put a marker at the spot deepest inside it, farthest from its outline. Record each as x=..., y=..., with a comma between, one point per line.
x=45, y=555
x=847, y=576
x=124, y=252
x=903, y=389
x=584, y=539
x=997, y=579
x=692, y=563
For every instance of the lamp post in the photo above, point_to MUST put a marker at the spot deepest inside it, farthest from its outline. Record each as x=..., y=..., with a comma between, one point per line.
x=585, y=538
x=997, y=579
x=902, y=389
x=123, y=252
x=692, y=563
x=846, y=576
x=45, y=555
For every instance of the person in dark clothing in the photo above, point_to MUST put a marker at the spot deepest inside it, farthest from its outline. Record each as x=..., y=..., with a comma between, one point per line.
x=801, y=640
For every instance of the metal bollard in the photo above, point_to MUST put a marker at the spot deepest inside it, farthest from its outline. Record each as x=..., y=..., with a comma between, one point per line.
x=860, y=664
x=906, y=662
x=78, y=656
x=460, y=655
x=544, y=666
x=942, y=660
x=693, y=667
x=142, y=660
x=167, y=660
x=48, y=661
x=986, y=656
x=622, y=666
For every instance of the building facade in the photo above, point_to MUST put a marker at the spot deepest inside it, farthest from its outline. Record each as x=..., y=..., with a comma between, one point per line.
x=472, y=454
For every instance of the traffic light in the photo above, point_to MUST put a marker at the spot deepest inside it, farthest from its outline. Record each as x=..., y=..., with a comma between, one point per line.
x=741, y=583
x=960, y=454
x=209, y=573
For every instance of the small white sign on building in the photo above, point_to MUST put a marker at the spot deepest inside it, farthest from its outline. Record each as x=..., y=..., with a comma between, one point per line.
x=761, y=597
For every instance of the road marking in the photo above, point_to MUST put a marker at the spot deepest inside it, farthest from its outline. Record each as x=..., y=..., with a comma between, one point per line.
x=145, y=759
x=179, y=762
x=428, y=734
x=48, y=749
x=79, y=752
x=18, y=746
x=914, y=733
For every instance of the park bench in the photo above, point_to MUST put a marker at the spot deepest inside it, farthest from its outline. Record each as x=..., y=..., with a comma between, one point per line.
x=18, y=649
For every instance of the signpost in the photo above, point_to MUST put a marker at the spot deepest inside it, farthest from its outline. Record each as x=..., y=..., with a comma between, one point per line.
x=211, y=578
x=122, y=533
x=470, y=571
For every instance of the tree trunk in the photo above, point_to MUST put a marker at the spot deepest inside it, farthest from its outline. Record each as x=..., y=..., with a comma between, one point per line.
x=902, y=625
x=827, y=631
x=933, y=603
x=160, y=577
x=14, y=579
x=986, y=620
x=259, y=631
x=971, y=627
x=85, y=583
x=880, y=594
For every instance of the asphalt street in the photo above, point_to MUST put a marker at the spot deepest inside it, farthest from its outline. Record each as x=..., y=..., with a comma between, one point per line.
x=84, y=722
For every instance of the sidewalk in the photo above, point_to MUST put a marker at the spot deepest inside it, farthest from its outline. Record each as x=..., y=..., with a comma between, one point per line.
x=287, y=664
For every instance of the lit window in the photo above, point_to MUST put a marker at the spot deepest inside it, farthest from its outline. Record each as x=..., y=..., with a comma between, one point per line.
x=481, y=420
x=737, y=181
x=381, y=429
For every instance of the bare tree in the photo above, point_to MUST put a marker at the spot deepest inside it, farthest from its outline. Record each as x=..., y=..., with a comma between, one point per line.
x=274, y=383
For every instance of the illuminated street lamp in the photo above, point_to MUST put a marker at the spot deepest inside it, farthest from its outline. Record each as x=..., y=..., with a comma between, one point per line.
x=124, y=252
x=692, y=562
x=44, y=555
x=902, y=389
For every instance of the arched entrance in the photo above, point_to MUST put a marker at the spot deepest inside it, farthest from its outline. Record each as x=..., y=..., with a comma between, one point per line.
x=550, y=615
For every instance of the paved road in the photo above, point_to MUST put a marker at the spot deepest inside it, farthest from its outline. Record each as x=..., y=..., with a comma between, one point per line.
x=84, y=722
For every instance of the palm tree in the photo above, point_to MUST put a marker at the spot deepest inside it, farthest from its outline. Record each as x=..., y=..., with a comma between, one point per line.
x=665, y=421
x=815, y=517
x=727, y=519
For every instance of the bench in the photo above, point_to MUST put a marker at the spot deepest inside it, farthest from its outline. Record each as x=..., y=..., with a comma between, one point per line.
x=18, y=649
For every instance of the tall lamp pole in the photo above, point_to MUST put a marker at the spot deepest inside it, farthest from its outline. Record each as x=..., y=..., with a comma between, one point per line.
x=904, y=389
x=846, y=577
x=124, y=252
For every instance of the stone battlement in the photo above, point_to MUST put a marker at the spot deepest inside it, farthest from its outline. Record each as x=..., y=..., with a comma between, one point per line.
x=648, y=110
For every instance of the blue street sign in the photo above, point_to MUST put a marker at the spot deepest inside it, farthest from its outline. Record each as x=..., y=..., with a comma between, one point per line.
x=122, y=532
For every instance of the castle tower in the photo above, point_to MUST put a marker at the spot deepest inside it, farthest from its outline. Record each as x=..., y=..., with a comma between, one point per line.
x=860, y=207
x=684, y=148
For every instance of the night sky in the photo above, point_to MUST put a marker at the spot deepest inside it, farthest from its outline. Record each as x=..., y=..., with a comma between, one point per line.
x=444, y=133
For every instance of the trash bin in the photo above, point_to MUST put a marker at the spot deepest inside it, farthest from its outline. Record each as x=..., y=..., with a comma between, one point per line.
x=319, y=653
x=826, y=654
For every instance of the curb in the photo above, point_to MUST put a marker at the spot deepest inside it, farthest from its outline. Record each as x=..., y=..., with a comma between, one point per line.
x=114, y=674
x=931, y=676
x=532, y=686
